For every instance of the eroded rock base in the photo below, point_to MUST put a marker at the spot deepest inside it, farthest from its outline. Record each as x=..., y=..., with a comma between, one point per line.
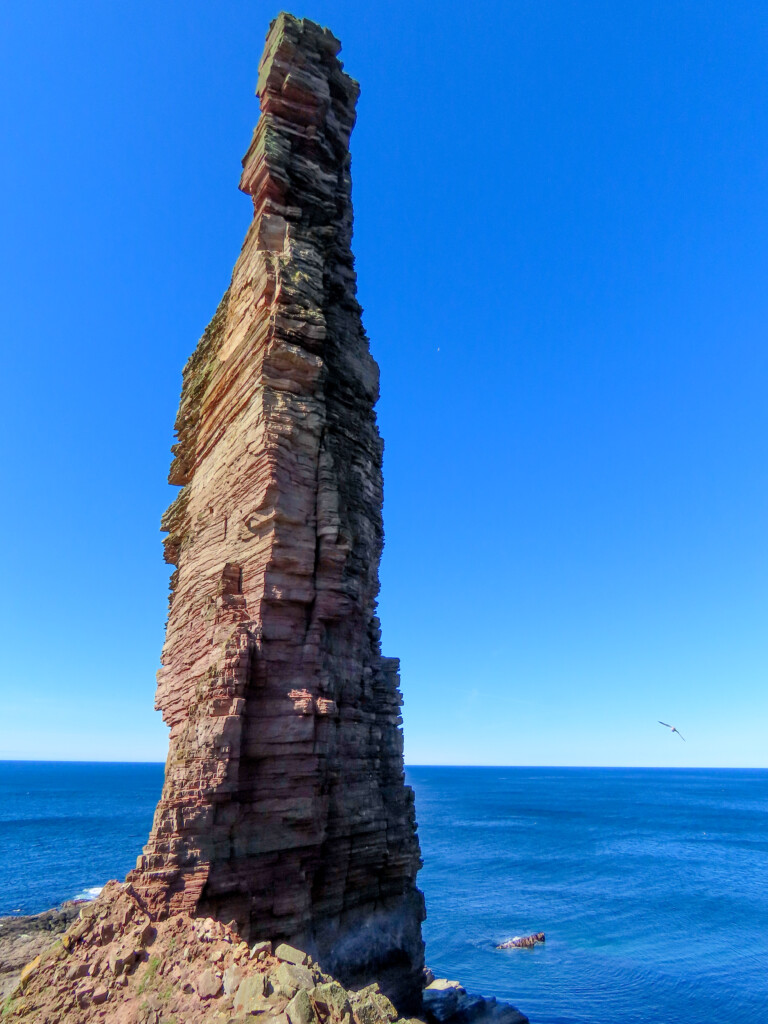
x=115, y=963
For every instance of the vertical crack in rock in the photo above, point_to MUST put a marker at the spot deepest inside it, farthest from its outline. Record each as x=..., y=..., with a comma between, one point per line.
x=284, y=807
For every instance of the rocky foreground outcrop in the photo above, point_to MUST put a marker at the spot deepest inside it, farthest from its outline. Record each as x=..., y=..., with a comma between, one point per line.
x=22, y=938
x=117, y=964
x=284, y=810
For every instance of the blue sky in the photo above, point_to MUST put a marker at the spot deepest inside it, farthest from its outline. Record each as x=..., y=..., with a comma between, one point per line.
x=561, y=223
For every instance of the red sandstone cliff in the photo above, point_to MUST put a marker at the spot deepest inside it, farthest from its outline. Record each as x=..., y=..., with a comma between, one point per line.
x=284, y=807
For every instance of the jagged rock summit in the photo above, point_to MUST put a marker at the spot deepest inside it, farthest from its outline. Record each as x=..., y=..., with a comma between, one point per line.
x=284, y=811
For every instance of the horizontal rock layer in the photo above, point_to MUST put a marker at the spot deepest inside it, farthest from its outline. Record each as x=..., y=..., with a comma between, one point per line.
x=284, y=808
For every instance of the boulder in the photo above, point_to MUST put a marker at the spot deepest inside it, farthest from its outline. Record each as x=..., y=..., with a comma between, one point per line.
x=286, y=979
x=250, y=996
x=332, y=1000
x=100, y=995
x=371, y=1006
x=208, y=984
x=261, y=949
x=290, y=954
x=300, y=1009
x=232, y=978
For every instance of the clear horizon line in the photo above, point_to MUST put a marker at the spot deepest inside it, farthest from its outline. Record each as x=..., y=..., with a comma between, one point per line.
x=612, y=767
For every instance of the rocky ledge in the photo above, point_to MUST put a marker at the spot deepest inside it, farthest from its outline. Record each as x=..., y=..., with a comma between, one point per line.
x=446, y=1002
x=115, y=963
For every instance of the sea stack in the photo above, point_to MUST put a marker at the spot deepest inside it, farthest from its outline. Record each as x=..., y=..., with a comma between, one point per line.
x=284, y=809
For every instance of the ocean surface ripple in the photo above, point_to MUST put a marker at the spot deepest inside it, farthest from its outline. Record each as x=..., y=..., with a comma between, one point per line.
x=651, y=885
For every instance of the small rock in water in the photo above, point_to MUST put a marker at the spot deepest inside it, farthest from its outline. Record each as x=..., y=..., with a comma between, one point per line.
x=523, y=942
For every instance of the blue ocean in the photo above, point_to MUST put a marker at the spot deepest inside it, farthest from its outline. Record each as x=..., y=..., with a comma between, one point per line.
x=651, y=885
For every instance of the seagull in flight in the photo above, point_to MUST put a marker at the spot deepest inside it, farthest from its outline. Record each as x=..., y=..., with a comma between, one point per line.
x=672, y=728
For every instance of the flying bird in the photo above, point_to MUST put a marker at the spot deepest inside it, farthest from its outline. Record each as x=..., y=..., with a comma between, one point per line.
x=672, y=728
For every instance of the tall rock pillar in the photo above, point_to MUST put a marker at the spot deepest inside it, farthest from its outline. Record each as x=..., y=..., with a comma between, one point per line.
x=284, y=806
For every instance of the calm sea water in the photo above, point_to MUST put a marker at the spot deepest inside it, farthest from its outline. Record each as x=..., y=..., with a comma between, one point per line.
x=651, y=885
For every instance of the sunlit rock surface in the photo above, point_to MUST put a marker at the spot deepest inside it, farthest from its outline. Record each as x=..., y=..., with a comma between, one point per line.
x=284, y=809
x=116, y=964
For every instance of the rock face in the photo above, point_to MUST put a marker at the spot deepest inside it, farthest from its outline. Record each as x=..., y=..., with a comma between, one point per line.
x=284, y=808
x=116, y=965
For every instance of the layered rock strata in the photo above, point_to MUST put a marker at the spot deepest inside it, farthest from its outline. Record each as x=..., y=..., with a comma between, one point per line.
x=284, y=809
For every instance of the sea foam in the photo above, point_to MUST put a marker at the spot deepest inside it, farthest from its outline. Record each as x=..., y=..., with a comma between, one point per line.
x=88, y=894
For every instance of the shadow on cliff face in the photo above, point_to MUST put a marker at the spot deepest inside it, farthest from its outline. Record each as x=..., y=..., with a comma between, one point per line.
x=116, y=963
x=380, y=945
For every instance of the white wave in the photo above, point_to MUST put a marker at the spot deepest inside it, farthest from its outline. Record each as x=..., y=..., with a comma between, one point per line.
x=90, y=893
